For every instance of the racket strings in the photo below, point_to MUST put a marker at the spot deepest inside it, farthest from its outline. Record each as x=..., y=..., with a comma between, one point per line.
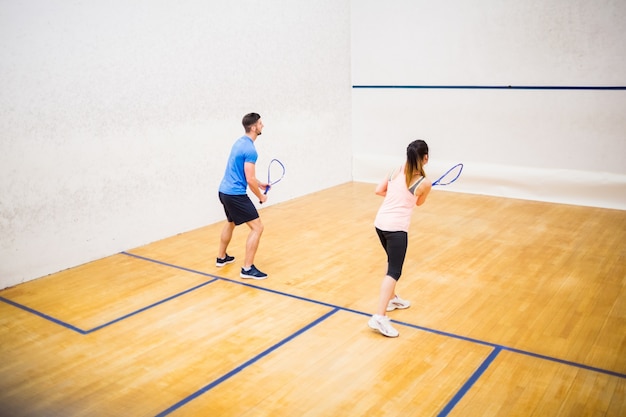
x=450, y=176
x=275, y=172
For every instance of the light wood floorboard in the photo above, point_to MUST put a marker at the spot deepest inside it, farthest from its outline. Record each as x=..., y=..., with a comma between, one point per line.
x=518, y=309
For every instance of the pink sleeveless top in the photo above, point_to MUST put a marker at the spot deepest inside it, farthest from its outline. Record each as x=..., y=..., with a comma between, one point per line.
x=394, y=215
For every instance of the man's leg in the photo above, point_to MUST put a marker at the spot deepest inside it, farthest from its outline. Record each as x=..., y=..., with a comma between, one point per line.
x=252, y=243
x=225, y=237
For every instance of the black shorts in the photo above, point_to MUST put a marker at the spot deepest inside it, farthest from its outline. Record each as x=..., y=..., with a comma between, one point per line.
x=238, y=208
x=395, y=244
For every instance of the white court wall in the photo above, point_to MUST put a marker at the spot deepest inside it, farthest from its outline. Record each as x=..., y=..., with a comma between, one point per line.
x=117, y=117
x=558, y=145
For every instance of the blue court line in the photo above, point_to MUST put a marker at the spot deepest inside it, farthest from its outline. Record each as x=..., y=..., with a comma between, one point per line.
x=85, y=332
x=246, y=364
x=42, y=315
x=415, y=326
x=182, y=268
x=165, y=300
x=565, y=362
x=215, y=278
x=490, y=87
x=244, y=284
x=469, y=383
x=457, y=397
x=448, y=334
x=426, y=329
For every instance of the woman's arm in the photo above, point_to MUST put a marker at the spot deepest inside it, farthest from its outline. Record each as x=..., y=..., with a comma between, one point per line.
x=422, y=191
x=381, y=188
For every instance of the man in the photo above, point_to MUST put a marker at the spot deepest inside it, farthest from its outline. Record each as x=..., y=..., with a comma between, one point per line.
x=239, y=175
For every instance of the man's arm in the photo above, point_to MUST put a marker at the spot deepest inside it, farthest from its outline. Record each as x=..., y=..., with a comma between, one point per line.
x=253, y=183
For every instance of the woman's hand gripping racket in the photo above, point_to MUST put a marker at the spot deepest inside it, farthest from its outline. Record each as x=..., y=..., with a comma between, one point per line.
x=275, y=173
x=450, y=176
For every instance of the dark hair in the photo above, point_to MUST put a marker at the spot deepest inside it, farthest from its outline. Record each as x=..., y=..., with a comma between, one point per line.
x=249, y=120
x=415, y=153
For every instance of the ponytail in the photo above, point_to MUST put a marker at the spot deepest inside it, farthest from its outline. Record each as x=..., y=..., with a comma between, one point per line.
x=415, y=154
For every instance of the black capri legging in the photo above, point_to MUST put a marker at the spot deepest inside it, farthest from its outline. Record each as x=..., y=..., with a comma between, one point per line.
x=395, y=244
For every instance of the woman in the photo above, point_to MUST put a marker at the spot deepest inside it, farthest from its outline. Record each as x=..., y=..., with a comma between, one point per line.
x=403, y=189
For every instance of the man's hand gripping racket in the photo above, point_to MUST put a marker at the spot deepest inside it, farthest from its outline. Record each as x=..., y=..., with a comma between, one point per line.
x=275, y=173
x=450, y=176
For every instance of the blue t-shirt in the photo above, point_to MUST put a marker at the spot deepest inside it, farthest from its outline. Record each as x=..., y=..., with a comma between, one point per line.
x=234, y=181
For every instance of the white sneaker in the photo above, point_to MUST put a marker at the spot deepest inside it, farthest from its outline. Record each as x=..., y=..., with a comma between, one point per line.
x=399, y=303
x=383, y=325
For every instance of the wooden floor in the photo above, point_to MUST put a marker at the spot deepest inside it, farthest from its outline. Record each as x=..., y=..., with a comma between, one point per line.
x=519, y=309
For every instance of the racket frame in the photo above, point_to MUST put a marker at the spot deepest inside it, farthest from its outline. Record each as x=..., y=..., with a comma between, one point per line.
x=438, y=181
x=269, y=179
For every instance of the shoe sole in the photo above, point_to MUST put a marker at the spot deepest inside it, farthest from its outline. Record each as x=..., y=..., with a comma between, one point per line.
x=252, y=277
x=219, y=265
x=374, y=327
x=399, y=307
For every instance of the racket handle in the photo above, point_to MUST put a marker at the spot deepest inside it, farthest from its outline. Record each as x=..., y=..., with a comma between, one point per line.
x=267, y=188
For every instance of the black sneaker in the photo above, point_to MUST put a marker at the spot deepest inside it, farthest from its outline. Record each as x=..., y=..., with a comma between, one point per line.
x=252, y=273
x=225, y=260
